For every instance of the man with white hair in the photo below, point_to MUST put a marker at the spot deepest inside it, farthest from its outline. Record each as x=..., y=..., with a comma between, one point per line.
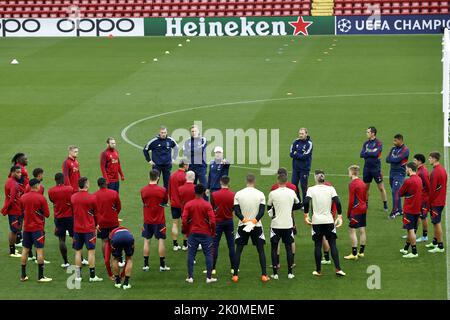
x=321, y=197
x=301, y=154
x=218, y=168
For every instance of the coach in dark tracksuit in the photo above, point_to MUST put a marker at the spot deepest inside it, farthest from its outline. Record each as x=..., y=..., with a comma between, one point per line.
x=301, y=154
x=218, y=168
x=397, y=158
x=194, y=150
x=164, y=151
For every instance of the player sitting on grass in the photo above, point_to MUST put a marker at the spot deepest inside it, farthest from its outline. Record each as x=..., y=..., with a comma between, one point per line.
x=356, y=213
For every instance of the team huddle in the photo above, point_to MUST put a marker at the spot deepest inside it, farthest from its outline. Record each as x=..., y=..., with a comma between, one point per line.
x=202, y=201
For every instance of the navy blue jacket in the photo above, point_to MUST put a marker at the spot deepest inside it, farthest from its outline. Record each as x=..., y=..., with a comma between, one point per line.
x=371, y=153
x=161, y=151
x=216, y=171
x=301, y=154
x=398, y=158
x=194, y=150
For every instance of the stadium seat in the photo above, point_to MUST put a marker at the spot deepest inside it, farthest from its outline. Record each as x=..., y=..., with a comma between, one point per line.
x=153, y=8
x=220, y=8
x=351, y=7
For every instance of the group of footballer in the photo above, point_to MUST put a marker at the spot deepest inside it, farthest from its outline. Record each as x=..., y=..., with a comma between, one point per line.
x=205, y=204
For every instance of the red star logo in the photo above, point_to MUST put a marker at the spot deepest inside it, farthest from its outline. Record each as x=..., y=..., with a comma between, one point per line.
x=301, y=26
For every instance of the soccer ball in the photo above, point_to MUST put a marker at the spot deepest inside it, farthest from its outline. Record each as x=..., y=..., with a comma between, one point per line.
x=344, y=25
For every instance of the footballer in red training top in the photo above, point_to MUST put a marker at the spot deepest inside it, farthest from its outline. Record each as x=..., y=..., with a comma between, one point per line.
x=60, y=195
x=110, y=165
x=153, y=197
x=222, y=202
x=38, y=173
x=177, y=179
x=35, y=209
x=412, y=191
x=437, y=201
x=85, y=214
x=109, y=206
x=11, y=207
x=21, y=160
x=71, y=169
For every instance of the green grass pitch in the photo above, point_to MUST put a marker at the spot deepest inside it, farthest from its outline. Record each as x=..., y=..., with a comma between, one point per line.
x=74, y=91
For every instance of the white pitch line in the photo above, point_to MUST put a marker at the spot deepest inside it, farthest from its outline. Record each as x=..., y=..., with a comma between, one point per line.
x=227, y=104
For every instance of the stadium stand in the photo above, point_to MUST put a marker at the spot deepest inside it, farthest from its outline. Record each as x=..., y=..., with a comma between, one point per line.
x=217, y=8
x=388, y=7
x=151, y=8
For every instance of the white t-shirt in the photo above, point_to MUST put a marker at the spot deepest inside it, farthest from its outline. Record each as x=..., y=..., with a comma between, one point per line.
x=249, y=200
x=282, y=200
x=321, y=196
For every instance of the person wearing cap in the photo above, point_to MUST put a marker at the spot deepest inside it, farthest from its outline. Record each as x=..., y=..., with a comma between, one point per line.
x=35, y=210
x=218, y=168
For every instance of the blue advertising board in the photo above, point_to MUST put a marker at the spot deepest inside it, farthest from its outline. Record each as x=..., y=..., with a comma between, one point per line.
x=392, y=24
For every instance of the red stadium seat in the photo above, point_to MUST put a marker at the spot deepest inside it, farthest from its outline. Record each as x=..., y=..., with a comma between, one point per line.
x=195, y=8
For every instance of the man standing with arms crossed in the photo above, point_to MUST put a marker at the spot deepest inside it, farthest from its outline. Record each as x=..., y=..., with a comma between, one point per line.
x=437, y=201
x=110, y=165
x=371, y=153
x=301, y=154
x=398, y=158
x=35, y=209
x=164, y=152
